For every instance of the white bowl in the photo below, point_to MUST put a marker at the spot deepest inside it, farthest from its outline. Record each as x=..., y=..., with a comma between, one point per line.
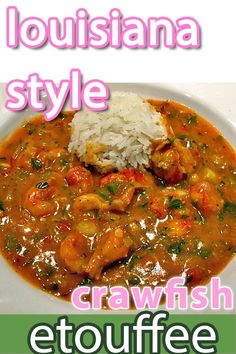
x=215, y=102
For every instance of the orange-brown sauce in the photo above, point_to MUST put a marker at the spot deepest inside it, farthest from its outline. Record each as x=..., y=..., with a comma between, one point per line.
x=184, y=241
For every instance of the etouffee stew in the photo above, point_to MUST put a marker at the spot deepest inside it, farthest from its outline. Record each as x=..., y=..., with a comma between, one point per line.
x=62, y=224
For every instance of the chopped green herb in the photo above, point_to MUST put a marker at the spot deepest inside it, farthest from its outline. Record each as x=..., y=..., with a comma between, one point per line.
x=176, y=247
x=175, y=203
x=204, y=147
x=11, y=243
x=171, y=140
x=61, y=115
x=187, y=141
x=173, y=114
x=42, y=185
x=184, y=217
x=36, y=164
x=134, y=280
x=164, y=231
x=204, y=252
x=2, y=208
x=188, y=280
x=143, y=206
x=54, y=287
x=140, y=191
x=37, y=237
x=182, y=137
x=48, y=271
x=113, y=187
x=26, y=125
x=104, y=194
x=183, y=185
x=64, y=161
x=108, y=190
x=232, y=180
x=229, y=208
x=96, y=213
x=220, y=192
x=221, y=216
x=86, y=281
x=192, y=120
x=222, y=183
x=64, y=212
x=146, y=246
x=23, y=175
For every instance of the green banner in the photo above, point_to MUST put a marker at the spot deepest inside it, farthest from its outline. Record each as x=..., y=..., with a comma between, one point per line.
x=22, y=334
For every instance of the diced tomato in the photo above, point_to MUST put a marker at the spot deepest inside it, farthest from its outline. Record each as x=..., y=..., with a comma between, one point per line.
x=139, y=176
x=64, y=227
x=47, y=238
x=38, y=153
x=5, y=174
x=129, y=174
x=11, y=162
x=193, y=276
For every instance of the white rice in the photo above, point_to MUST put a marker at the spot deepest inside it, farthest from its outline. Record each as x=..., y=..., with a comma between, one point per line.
x=126, y=131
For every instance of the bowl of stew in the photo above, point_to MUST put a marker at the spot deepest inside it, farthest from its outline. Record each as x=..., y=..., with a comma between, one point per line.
x=179, y=226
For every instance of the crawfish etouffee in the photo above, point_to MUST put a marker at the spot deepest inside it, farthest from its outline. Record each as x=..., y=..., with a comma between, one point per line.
x=64, y=224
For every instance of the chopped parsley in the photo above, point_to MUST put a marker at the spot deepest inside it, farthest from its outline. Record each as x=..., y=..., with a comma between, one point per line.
x=42, y=185
x=204, y=252
x=64, y=161
x=204, y=147
x=192, y=120
x=36, y=164
x=230, y=208
x=134, y=280
x=109, y=190
x=175, y=203
x=143, y=206
x=184, y=217
x=171, y=140
x=113, y=187
x=176, y=247
x=86, y=281
x=104, y=194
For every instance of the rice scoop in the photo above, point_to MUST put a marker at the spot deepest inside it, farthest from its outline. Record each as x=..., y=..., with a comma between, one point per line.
x=119, y=137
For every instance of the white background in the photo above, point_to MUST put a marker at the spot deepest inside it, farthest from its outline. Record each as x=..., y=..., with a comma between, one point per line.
x=214, y=62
